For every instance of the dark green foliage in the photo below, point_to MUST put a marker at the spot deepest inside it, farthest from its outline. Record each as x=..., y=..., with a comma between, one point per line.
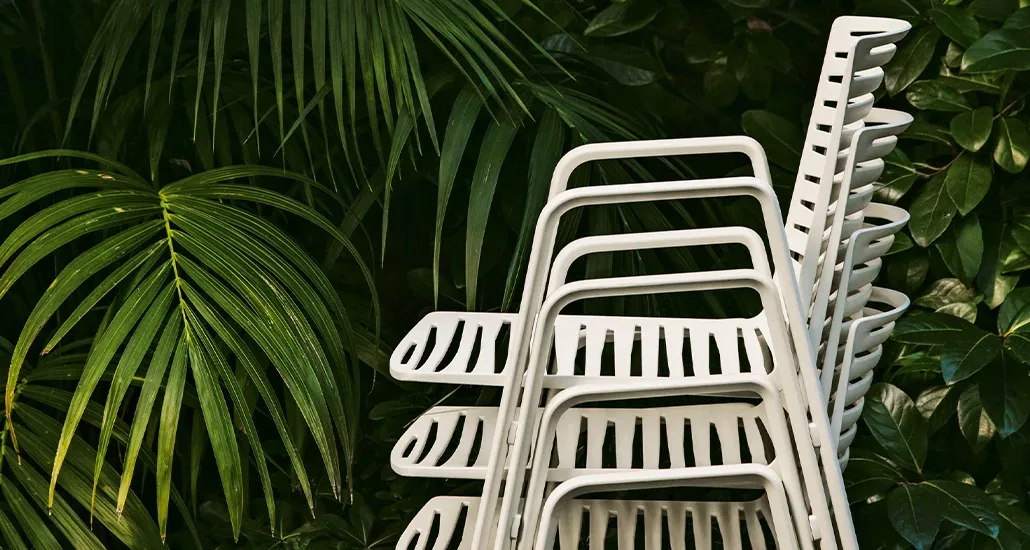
x=320, y=173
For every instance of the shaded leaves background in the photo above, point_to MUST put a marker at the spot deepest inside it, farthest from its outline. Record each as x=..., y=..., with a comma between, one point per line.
x=255, y=199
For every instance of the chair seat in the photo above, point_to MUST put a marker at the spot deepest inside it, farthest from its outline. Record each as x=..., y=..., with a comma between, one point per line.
x=448, y=522
x=453, y=442
x=474, y=349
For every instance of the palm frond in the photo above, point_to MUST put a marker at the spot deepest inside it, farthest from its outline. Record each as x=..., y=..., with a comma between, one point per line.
x=29, y=519
x=381, y=58
x=196, y=279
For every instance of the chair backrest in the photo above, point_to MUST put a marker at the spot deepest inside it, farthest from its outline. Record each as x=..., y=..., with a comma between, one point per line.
x=864, y=165
x=540, y=262
x=857, y=48
x=859, y=268
x=783, y=378
x=857, y=357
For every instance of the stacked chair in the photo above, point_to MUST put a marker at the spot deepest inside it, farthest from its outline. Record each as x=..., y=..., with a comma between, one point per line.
x=747, y=456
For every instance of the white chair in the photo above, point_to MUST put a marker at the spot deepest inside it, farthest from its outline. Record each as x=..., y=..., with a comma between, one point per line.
x=843, y=101
x=863, y=167
x=728, y=337
x=849, y=366
x=412, y=362
x=564, y=510
x=865, y=337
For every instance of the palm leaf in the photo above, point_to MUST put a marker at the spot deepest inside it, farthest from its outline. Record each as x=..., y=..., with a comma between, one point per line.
x=496, y=142
x=189, y=280
x=25, y=487
x=463, y=117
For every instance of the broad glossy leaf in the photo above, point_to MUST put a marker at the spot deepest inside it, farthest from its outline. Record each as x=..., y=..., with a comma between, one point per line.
x=622, y=18
x=998, y=50
x=973, y=421
x=781, y=138
x=916, y=514
x=910, y=61
x=933, y=95
x=953, y=55
x=992, y=279
x=1014, y=530
x=1014, y=315
x=968, y=180
x=870, y=476
x=1021, y=231
x=902, y=242
x=720, y=84
x=943, y=292
x=908, y=270
x=755, y=78
x=932, y=212
x=962, y=249
x=765, y=47
x=994, y=10
x=957, y=24
x=922, y=130
x=967, y=506
x=898, y=176
x=1013, y=144
x=972, y=129
x=1019, y=20
x=962, y=310
x=1005, y=394
x=629, y=65
x=929, y=328
x=937, y=405
x=896, y=424
x=965, y=355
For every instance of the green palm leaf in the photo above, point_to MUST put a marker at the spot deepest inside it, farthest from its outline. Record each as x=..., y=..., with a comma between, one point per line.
x=191, y=279
x=25, y=488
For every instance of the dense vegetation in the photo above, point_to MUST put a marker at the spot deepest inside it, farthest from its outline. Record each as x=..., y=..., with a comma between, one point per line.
x=216, y=217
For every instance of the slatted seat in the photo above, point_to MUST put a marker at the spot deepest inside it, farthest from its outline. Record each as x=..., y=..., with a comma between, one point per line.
x=598, y=349
x=587, y=523
x=448, y=443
